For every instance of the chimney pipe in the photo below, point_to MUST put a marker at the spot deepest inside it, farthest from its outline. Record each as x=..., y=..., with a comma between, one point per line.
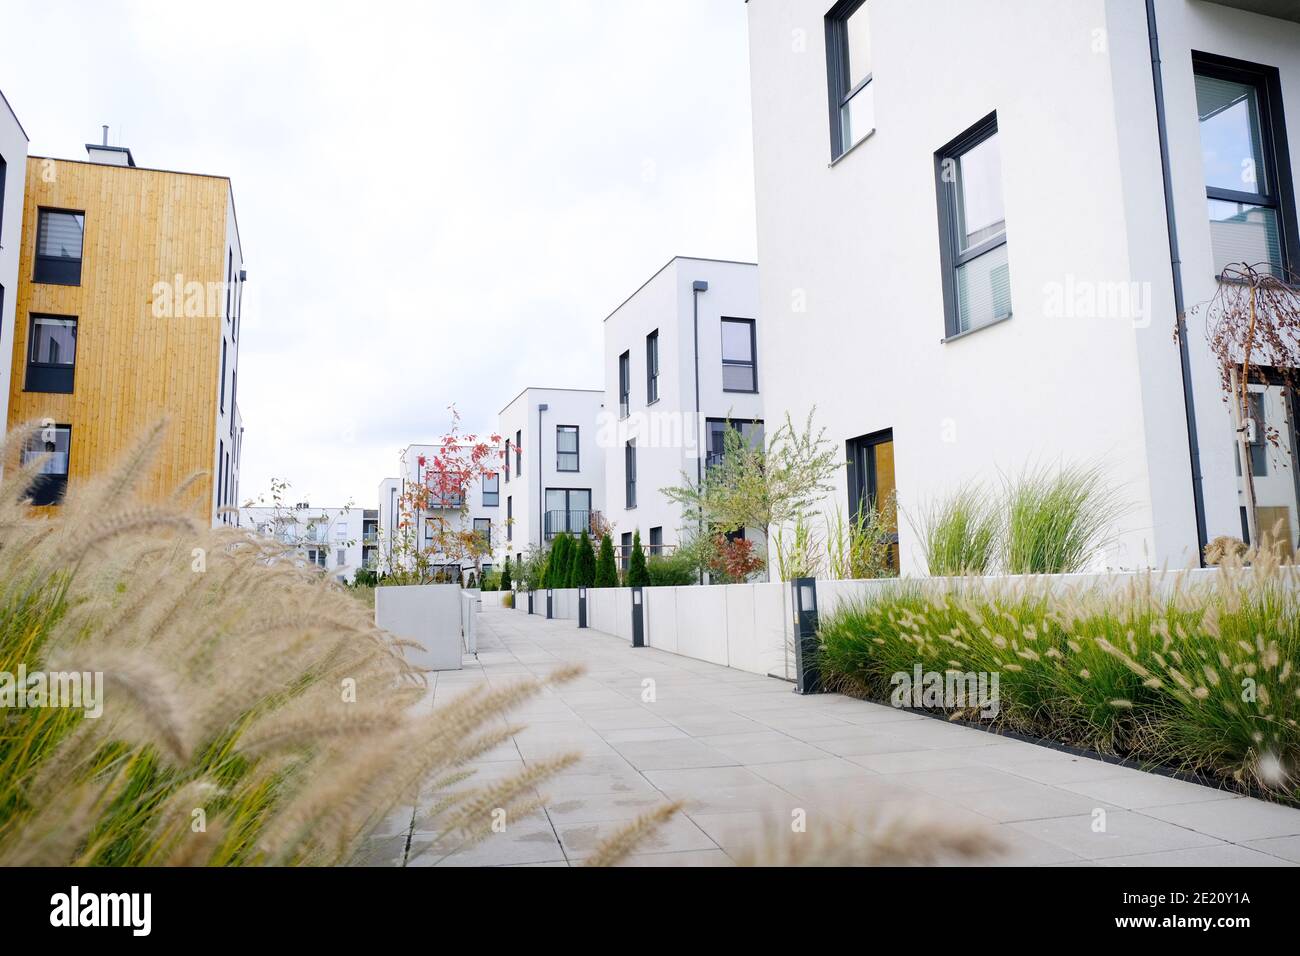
x=105, y=135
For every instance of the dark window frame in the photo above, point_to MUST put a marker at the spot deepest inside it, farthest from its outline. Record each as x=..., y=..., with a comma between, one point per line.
x=652, y=367
x=625, y=547
x=519, y=461
x=752, y=364
x=485, y=533
x=54, y=265
x=1267, y=81
x=507, y=461
x=735, y=424
x=951, y=259
x=837, y=72
x=510, y=518
x=491, y=499
x=629, y=474
x=54, y=378
x=49, y=489
x=863, y=483
x=656, y=541
x=576, y=453
x=625, y=384
x=568, y=510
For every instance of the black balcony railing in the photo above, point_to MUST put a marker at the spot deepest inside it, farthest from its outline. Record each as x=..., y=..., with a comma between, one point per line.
x=574, y=522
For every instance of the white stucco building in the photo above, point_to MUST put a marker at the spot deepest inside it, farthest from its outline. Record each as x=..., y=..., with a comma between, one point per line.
x=13, y=174
x=332, y=539
x=683, y=361
x=969, y=263
x=553, y=473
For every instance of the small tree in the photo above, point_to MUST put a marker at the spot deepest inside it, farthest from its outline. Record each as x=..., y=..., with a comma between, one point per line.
x=1253, y=321
x=734, y=560
x=637, y=573
x=506, y=583
x=585, y=566
x=761, y=485
x=606, y=567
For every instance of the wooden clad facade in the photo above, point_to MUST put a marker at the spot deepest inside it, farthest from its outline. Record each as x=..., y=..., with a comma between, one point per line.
x=141, y=354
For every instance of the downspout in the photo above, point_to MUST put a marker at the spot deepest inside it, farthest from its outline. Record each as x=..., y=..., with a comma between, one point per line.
x=699, y=286
x=1176, y=267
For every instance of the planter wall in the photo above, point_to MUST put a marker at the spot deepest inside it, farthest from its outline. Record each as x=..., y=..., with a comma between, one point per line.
x=429, y=615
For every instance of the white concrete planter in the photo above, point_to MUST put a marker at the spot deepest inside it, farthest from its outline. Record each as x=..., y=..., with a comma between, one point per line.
x=430, y=615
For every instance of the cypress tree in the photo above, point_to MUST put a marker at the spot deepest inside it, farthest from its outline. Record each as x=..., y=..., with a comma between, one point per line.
x=506, y=583
x=637, y=573
x=606, y=567
x=585, y=568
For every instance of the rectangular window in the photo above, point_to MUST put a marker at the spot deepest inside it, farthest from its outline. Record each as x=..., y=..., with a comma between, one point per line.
x=739, y=345
x=848, y=74
x=567, y=509
x=507, y=459
x=973, y=229
x=751, y=432
x=624, y=384
x=625, y=552
x=652, y=367
x=491, y=491
x=4, y=170
x=52, y=353
x=871, y=482
x=483, y=528
x=1247, y=181
x=519, y=444
x=629, y=466
x=566, y=447
x=59, y=235
x=656, y=541
x=221, y=473
x=223, y=373
x=510, y=517
x=343, y=558
x=54, y=444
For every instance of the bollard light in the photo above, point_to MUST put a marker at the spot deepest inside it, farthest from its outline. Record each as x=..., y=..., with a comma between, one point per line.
x=638, y=619
x=807, y=672
x=582, y=607
x=550, y=595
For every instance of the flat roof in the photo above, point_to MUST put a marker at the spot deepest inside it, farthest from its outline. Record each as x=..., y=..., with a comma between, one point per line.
x=729, y=262
x=548, y=388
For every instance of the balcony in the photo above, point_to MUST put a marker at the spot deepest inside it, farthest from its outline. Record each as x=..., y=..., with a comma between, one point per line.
x=574, y=522
x=1282, y=9
x=370, y=537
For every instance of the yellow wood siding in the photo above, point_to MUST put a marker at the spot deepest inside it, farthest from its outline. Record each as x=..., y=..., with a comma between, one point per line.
x=142, y=227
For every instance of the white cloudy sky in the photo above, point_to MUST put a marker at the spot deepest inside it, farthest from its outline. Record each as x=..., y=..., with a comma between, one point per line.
x=439, y=201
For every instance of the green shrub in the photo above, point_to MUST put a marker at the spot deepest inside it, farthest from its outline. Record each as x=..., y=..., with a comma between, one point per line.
x=1203, y=680
x=671, y=570
x=961, y=534
x=1056, y=523
x=506, y=583
x=637, y=575
x=606, y=566
x=584, y=565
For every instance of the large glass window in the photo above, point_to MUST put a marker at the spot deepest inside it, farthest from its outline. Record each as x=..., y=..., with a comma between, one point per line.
x=59, y=235
x=629, y=473
x=53, y=444
x=848, y=61
x=51, y=354
x=483, y=529
x=567, y=509
x=491, y=491
x=973, y=230
x=739, y=368
x=752, y=432
x=871, y=483
x=566, y=447
x=1238, y=108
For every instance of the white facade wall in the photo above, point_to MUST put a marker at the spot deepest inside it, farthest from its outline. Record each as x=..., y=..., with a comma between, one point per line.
x=389, y=499
x=668, y=433
x=536, y=466
x=851, y=281
x=229, y=424
x=411, y=471
x=13, y=153
x=335, y=533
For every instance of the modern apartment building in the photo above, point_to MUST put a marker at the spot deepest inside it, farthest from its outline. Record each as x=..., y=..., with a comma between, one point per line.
x=981, y=221
x=128, y=303
x=682, y=364
x=482, y=513
x=332, y=539
x=553, y=474
x=13, y=163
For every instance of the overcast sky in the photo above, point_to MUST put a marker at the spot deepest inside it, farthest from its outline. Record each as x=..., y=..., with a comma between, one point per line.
x=438, y=201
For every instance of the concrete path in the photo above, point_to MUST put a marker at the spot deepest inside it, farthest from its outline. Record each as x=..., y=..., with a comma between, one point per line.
x=745, y=754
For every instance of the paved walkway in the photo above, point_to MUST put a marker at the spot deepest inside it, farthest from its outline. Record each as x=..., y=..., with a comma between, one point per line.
x=745, y=753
